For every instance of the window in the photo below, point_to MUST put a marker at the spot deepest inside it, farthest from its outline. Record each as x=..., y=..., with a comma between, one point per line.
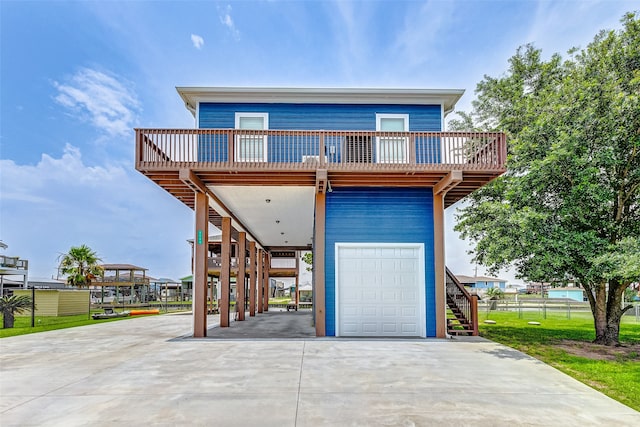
x=392, y=148
x=251, y=147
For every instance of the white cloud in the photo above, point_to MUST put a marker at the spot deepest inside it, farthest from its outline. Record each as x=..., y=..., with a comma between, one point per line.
x=197, y=41
x=105, y=100
x=61, y=202
x=227, y=21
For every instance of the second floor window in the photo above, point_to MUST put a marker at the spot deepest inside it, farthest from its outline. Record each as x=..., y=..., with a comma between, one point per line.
x=251, y=147
x=392, y=148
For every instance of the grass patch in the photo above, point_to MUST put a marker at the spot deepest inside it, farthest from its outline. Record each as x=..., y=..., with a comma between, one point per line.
x=22, y=325
x=566, y=345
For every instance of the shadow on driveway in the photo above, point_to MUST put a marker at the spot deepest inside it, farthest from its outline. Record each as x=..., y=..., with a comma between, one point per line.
x=272, y=324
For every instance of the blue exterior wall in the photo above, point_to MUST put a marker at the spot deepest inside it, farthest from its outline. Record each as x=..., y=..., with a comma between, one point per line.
x=425, y=118
x=340, y=117
x=379, y=215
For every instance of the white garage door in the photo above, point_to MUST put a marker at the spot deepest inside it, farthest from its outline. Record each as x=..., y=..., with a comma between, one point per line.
x=380, y=290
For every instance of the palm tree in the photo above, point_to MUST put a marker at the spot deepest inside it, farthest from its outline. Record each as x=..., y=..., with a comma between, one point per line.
x=10, y=305
x=80, y=265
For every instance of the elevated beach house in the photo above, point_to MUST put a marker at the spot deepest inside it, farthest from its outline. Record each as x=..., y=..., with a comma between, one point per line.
x=359, y=176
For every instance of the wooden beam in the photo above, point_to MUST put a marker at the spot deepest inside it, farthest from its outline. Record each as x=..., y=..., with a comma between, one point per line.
x=190, y=179
x=322, y=181
x=200, y=266
x=225, y=272
x=452, y=179
x=439, y=261
x=241, y=277
x=252, y=278
x=318, y=265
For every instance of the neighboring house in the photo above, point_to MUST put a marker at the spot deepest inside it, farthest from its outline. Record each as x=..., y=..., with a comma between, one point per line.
x=121, y=283
x=482, y=282
x=14, y=272
x=359, y=176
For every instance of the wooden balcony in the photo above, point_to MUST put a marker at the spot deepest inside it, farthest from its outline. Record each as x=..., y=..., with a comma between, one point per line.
x=298, y=157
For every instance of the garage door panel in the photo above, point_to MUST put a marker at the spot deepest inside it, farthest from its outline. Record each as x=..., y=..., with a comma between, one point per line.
x=369, y=327
x=379, y=291
x=390, y=328
x=389, y=312
x=408, y=312
x=369, y=295
x=409, y=328
x=369, y=311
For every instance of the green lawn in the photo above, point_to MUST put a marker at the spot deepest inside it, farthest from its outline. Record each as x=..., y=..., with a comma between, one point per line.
x=618, y=378
x=22, y=325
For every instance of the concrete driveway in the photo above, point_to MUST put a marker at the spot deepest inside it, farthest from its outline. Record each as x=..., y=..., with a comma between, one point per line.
x=146, y=371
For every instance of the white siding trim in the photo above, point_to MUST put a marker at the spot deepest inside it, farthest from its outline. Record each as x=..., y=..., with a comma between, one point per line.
x=265, y=117
x=379, y=117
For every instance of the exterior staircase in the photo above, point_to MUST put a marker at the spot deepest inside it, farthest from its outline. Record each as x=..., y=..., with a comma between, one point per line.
x=462, y=316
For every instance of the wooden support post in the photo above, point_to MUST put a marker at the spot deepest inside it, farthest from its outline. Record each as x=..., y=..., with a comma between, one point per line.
x=225, y=272
x=439, y=256
x=267, y=282
x=201, y=243
x=260, y=285
x=252, y=278
x=318, y=265
x=295, y=295
x=240, y=279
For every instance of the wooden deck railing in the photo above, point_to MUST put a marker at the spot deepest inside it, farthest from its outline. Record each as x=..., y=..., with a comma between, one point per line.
x=305, y=149
x=13, y=262
x=466, y=303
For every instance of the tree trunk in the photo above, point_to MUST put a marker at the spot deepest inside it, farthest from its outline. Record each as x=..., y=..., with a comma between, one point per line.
x=598, y=308
x=8, y=320
x=609, y=303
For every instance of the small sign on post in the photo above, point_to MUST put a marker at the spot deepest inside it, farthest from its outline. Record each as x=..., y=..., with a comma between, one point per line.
x=199, y=237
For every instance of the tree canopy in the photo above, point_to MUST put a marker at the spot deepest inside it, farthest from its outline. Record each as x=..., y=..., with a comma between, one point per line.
x=569, y=205
x=80, y=264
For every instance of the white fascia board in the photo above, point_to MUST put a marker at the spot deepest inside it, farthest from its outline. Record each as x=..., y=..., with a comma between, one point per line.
x=192, y=96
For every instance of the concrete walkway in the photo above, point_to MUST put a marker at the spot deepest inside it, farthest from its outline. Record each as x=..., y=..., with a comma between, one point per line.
x=143, y=371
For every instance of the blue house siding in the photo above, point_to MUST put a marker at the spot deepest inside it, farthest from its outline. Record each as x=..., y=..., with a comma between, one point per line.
x=422, y=118
x=426, y=118
x=379, y=215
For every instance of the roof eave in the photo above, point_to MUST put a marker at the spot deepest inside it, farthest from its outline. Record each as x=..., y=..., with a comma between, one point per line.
x=193, y=95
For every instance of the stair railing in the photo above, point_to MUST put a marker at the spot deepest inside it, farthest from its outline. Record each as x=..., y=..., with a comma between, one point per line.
x=463, y=300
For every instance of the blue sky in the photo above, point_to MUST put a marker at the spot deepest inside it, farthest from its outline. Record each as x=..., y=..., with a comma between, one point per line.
x=77, y=77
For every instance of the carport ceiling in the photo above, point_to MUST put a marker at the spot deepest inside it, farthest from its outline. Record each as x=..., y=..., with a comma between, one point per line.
x=278, y=216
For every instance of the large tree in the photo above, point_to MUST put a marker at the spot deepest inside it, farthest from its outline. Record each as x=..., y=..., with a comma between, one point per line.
x=569, y=205
x=80, y=264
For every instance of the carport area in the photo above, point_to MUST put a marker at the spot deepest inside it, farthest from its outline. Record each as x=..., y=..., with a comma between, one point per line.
x=150, y=371
x=275, y=323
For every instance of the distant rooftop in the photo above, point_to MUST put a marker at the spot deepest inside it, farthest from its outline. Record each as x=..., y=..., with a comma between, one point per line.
x=123, y=267
x=473, y=279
